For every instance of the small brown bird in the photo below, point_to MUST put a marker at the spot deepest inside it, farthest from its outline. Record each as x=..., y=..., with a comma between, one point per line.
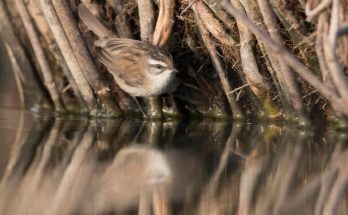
x=139, y=68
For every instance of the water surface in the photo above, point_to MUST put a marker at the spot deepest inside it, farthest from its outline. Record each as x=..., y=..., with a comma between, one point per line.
x=67, y=165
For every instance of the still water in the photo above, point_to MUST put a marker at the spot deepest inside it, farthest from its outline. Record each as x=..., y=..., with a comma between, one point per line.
x=66, y=165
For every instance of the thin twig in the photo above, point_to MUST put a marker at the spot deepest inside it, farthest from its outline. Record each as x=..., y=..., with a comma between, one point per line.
x=187, y=7
x=240, y=88
x=309, y=94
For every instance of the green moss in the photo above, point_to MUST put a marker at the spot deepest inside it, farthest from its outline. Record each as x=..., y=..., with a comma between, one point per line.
x=271, y=109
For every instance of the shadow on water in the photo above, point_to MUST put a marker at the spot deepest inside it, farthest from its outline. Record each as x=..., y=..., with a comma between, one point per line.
x=80, y=166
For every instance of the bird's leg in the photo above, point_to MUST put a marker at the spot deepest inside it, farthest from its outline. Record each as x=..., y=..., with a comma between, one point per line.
x=170, y=108
x=141, y=110
x=154, y=107
x=140, y=131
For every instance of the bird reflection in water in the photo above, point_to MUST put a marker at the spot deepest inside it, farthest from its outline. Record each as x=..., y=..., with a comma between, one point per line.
x=92, y=167
x=138, y=176
x=196, y=167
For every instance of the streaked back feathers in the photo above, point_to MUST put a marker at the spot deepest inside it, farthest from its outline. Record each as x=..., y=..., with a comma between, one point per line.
x=133, y=50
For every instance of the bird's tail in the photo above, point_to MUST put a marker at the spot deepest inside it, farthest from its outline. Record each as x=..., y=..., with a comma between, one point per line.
x=92, y=22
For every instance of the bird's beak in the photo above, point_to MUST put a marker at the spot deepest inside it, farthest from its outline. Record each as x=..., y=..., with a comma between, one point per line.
x=175, y=70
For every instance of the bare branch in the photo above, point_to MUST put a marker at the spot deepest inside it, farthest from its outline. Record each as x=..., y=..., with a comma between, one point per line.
x=146, y=19
x=29, y=81
x=237, y=113
x=297, y=66
x=164, y=23
x=84, y=58
x=69, y=56
x=329, y=45
x=255, y=80
x=40, y=55
x=213, y=25
x=311, y=13
x=285, y=76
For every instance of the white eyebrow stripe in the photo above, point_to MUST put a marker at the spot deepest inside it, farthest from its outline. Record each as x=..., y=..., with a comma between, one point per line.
x=155, y=62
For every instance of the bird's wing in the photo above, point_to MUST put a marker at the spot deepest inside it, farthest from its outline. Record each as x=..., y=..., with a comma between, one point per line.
x=121, y=57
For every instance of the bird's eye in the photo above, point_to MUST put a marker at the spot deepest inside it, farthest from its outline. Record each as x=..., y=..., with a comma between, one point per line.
x=159, y=66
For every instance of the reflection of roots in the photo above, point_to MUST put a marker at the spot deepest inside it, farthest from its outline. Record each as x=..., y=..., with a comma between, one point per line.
x=261, y=170
x=277, y=183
